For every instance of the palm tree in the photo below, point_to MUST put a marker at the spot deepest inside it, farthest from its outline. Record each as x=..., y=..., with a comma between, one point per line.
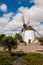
x=9, y=42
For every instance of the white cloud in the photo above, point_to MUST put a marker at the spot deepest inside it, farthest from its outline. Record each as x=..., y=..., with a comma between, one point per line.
x=18, y=17
x=13, y=24
x=3, y=7
x=34, y=13
x=38, y=2
x=4, y=20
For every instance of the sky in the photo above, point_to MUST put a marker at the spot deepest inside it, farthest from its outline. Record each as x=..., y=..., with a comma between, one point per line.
x=11, y=17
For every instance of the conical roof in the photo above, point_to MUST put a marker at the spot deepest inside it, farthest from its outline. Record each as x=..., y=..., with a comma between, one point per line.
x=29, y=28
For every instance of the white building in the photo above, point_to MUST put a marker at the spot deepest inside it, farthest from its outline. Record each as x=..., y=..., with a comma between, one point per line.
x=29, y=34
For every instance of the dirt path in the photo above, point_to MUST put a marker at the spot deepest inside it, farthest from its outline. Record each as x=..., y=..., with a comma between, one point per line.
x=27, y=48
x=19, y=62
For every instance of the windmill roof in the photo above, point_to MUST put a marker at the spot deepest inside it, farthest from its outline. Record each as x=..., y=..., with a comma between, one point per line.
x=29, y=28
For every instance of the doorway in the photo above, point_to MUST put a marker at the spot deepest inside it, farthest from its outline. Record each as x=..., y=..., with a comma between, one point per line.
x=29, y=41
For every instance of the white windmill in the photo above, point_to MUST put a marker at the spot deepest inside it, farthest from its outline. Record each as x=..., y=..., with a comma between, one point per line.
x=29, y=32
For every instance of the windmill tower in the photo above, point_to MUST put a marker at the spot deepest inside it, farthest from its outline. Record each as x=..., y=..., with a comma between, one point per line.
x=29, y=32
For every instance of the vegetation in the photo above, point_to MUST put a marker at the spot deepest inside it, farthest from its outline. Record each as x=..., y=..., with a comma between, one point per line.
x=6, y=59
x=9, y=42
x=28, y=59
x=33, y=59
x=19, y=37
x=40, y=39
x=1, y=38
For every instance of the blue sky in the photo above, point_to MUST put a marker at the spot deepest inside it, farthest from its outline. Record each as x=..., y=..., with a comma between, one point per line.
x=13, y=5
x=11, y=18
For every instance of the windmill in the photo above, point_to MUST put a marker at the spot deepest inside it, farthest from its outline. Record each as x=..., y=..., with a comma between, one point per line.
x=29, y=32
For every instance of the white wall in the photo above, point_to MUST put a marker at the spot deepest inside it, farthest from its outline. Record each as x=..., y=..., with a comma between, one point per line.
x=29, y=34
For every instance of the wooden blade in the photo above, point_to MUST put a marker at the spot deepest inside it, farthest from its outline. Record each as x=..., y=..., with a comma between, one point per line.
x=23, y=20
x=38, y=33
x=24, y=25
x=28, y=22
x=21, y=30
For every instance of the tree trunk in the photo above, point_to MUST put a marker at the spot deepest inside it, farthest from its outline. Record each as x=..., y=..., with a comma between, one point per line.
x=9, y=50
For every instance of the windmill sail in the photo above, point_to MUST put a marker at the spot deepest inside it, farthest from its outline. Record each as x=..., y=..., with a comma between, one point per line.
x=38, y=33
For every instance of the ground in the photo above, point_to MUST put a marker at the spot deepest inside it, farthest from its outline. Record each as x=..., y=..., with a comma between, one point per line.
x=28, y=48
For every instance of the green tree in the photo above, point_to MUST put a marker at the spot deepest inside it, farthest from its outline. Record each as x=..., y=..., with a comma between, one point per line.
x=18, y=37
x=1, y=37
x=9, y=42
